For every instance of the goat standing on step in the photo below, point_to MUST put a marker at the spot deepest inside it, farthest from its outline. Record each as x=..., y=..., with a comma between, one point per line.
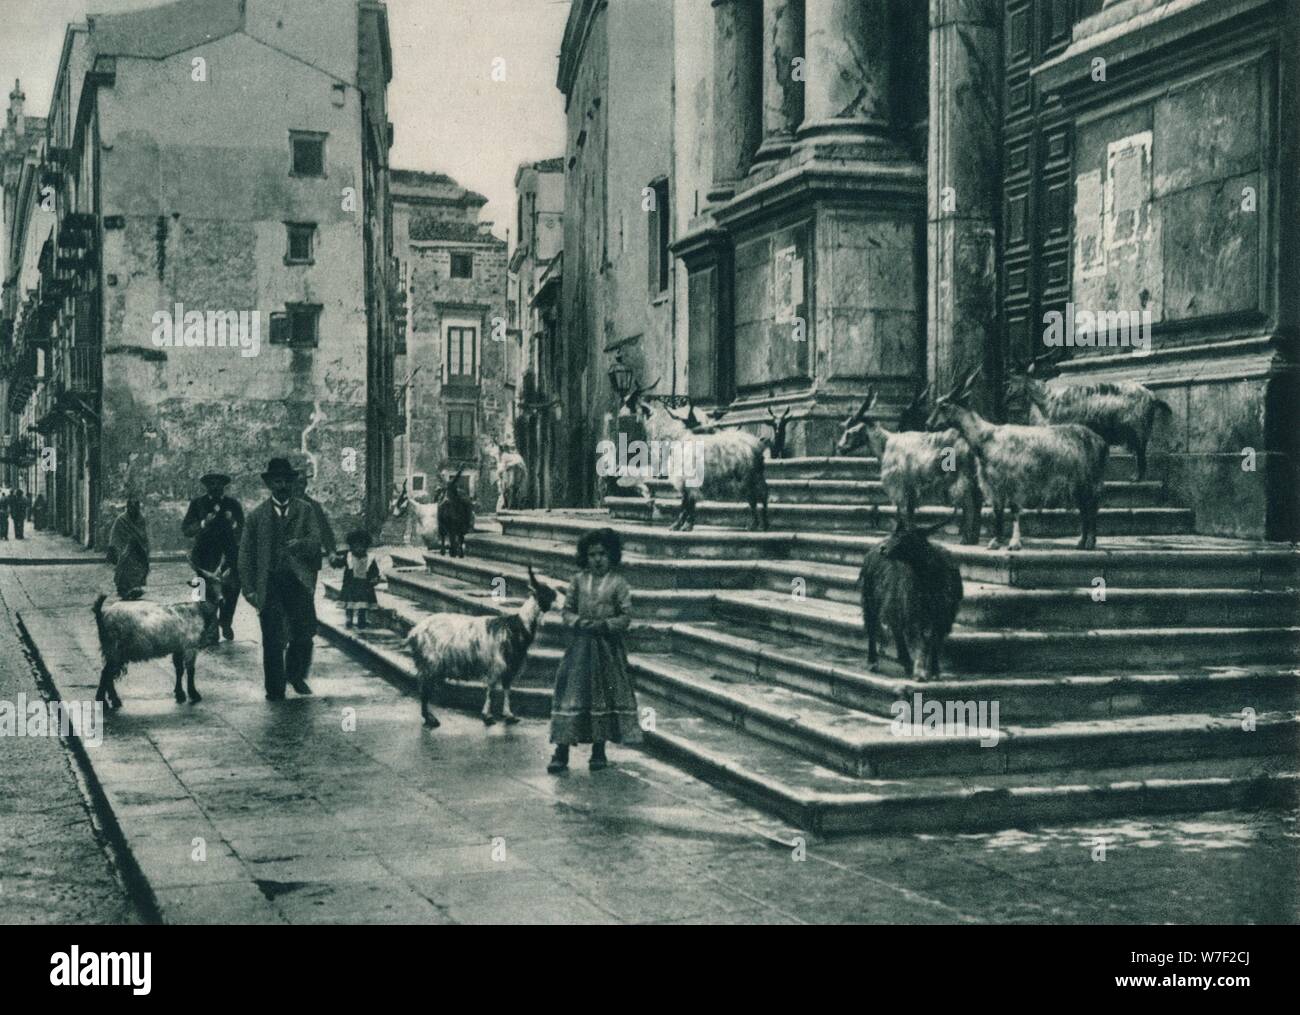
x=917, y=464
x=136, y=630
x=1030, y=466
x=713, y=463
x=455, y=518
x=447, y=646
x=426, y=516
x=1123, y=413
x=914, y=587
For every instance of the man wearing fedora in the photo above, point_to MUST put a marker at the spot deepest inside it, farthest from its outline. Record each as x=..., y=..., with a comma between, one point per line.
x=215, y=522
x=279, y=557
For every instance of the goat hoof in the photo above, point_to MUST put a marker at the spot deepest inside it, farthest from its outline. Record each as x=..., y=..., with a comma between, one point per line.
x=1014, y=546
x=995, y=544
x=489, y=721
x=195, y=697
x=510, y=720
x=431, y=722
x=180, y=697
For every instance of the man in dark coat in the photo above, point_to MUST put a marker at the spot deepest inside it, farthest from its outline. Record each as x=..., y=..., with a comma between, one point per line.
x=4, y=513
x=215, y=522
x=39, y=511
x=18, y=506
x=279, y=558
x=128, y=550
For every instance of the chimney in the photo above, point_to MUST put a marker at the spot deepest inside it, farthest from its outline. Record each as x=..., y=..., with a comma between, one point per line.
x=16, y=100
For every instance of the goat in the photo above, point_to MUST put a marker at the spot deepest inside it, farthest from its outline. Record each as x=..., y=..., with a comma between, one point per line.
x=776, y=443
x=1122, y=413
x=135, y=630
x=706, y=462
x=1026, y=466
x=493, y=649
x=914, y=465
x=914, y=587
x=455, y=518
x=426, y=516
x=511, y=473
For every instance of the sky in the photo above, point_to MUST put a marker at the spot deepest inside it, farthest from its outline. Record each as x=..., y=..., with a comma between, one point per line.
x=448, y=112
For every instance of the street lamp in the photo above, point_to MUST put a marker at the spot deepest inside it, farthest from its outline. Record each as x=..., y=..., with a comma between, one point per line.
x=620, y=375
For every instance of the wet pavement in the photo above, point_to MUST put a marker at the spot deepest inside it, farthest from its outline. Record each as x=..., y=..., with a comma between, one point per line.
x=342, y=808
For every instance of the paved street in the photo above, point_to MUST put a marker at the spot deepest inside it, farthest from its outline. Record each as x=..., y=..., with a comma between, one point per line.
x=341, y=808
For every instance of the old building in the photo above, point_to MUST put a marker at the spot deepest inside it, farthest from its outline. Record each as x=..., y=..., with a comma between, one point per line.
x=213, y=284
x=778, y=203
x=539, y=242
x=458, y=359
x=27, y=228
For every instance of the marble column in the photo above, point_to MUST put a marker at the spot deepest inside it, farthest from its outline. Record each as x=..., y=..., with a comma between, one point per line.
x=737, y=99
x=782, y=85
x=964, y=188
x=849, y=58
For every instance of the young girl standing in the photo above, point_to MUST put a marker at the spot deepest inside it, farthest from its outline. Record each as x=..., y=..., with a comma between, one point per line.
x=360, y=576
x=594, y=699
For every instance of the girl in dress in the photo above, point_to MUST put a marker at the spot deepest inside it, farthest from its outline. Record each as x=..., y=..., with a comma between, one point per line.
x=594, y=699
x=360, y=576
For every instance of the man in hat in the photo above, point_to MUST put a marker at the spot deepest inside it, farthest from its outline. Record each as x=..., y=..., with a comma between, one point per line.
x=215, y=522
x=279, y=558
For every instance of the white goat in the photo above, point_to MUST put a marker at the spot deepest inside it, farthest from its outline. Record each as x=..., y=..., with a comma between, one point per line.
x=135, y=630
x=426, y=516
x=1027, y=466
x=917, y=464
x=492, y=649
x=511, y=473
x=1123, y=413
x=711, y=463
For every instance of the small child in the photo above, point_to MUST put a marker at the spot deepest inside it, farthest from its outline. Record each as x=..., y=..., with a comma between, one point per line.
x=594, y=698
x=360, y=576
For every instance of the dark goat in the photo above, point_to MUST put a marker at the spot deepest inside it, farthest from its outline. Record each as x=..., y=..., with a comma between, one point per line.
x=455, y=518
x=914, y=587
x=778, y=424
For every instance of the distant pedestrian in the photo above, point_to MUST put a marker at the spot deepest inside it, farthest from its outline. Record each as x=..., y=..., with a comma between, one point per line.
x=4, y=512
x=360, y=576
x=18, y=507
x=279, y=558
x=39, y=512
x=216, y=522
x=594, y=700
x=128, y=551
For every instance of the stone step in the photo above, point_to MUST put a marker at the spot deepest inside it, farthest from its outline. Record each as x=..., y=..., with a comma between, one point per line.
x=858, y=492
x=1035, y=524
x=839, y=675
x=870, y=746
x=1132, y=561
x=823, y=801
x=1022, y=651
x=985, y=605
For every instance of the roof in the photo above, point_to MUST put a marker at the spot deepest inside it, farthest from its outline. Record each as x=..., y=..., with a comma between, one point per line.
x=158, y=32
x=412, y=186
x=555, y=165
x=425, y=228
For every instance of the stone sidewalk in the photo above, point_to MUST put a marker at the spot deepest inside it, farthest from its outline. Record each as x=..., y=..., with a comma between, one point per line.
x=342, y=808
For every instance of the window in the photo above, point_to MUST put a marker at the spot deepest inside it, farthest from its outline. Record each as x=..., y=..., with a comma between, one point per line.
x=460, y=434
x=462, y=265
x=462, y=359
x=302, y=241
x=298, y=325
x=658, y=231
x=308, y=153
